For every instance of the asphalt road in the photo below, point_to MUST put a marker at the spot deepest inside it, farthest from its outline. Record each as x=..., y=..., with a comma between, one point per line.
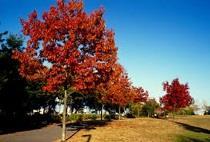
x=46, y=134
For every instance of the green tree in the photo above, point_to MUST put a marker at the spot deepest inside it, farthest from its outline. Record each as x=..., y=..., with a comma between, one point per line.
x=76, y=101
x=38, y=99
x=206, y=108
x=136, y=109
x=18, y=97
x=149, y=107
x=12, y=87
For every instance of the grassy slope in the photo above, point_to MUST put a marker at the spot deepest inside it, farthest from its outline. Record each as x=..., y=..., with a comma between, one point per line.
x=196, y=129
x=182, y=129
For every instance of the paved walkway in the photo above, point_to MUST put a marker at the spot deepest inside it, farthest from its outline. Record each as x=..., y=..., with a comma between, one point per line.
x=46, y=134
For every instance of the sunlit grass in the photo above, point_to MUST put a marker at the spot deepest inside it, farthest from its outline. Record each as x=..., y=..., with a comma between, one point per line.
x=188, y=129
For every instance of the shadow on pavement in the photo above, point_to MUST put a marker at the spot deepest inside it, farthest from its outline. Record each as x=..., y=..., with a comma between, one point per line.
x=24, y=124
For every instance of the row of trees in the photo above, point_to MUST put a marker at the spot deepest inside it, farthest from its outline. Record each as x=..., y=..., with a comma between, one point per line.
x=19, y=97
x=27, y=96
x=69, y=51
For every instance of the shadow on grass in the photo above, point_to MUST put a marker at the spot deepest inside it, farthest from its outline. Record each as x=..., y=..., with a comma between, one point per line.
x=85, y=125
x=189, y=139
x=193, y=128
x=76, y=131
x=88, y=137
x=194, y=134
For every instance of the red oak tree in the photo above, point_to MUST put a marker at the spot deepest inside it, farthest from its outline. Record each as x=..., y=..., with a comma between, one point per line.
x=177, y=96
x=139, y=94
x=117, y=89
x=67, y=49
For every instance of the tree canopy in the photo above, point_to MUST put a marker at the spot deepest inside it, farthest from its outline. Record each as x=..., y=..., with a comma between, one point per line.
x=67, y=47
x=177, y=95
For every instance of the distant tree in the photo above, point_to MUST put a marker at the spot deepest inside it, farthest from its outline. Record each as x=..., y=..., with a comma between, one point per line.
x=206, y=108
x=177, y=96
x=76, y=101
x=189, y=110
x=149, y=107
x=195, y=107
x=117, y=90
x=67, y=49
x=38, y=99
x=93, y=101
x=139, y=96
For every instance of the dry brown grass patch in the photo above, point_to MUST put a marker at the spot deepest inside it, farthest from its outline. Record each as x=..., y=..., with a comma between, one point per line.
x=130, y=130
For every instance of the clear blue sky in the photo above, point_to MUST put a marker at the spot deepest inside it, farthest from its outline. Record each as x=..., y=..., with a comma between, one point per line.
x=158, y=40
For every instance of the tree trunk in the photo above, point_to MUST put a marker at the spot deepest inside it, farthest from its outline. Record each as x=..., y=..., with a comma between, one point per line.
x=174, y=112
x=63, y=138
x=164, y=114
x=119, y=112
x=124, y=110
x=101, y=111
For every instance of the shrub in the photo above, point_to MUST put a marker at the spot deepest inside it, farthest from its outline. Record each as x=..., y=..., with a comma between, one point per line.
x=186, y=111
x=130, y=115
x=82, y=117
x=107, y=117
x=111, y=116
x=93, y=116
x=73, y=117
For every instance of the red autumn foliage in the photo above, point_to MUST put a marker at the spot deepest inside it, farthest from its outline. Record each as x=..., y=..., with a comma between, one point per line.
x=67, y=47
x=139, y=94
x=177, y=95
x=117, y=89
